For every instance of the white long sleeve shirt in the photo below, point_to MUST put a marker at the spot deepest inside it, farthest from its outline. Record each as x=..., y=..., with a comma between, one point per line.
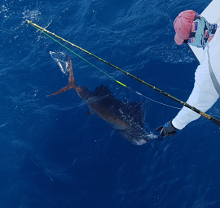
x=204, y=94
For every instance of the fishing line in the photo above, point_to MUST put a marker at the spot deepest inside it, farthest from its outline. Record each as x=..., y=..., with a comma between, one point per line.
x=122, y=84
x=214, y=120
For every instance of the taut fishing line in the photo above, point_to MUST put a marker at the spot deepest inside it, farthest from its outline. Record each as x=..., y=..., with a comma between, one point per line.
x=59, y=58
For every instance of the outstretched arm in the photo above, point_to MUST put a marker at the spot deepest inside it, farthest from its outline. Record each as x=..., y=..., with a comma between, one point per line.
x=202, y=97
x=199, y=98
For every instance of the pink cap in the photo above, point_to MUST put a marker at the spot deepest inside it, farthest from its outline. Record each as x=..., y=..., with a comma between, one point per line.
x=182, y=25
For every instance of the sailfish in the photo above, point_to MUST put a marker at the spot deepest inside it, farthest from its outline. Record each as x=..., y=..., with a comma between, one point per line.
x=126, y=118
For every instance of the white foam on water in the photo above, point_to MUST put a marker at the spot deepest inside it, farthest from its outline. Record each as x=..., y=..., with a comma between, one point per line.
x=61, y=60
x=32, y=15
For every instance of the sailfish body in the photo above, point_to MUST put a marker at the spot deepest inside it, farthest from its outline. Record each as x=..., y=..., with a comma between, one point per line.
x=127, y=118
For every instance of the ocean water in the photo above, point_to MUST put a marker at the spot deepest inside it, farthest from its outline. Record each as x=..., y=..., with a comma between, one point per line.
x=53, y=155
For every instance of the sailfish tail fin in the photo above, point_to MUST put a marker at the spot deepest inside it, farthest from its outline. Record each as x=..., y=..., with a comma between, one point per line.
x=71, y=77
x=71, y=83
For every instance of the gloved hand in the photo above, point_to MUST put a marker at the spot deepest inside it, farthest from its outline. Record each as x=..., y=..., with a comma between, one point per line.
x=167, y=129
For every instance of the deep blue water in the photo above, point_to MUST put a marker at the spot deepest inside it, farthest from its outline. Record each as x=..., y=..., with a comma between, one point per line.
x=53, y=155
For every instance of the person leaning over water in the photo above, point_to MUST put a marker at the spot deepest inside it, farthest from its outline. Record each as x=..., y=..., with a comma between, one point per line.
x=192, y=28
